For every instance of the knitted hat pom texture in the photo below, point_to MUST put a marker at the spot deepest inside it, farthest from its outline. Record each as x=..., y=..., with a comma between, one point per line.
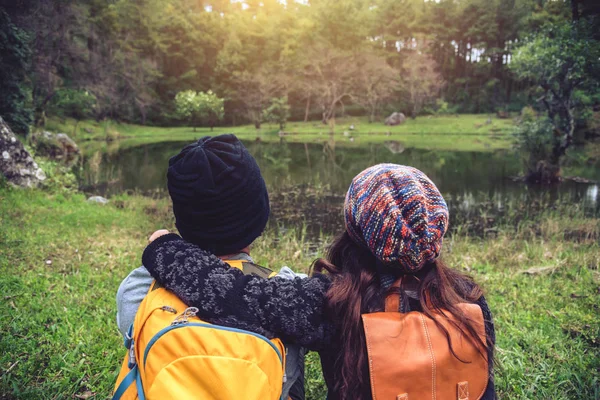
x=398, y=213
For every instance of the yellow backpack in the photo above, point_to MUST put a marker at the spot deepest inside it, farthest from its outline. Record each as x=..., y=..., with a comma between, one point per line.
x=175, y=355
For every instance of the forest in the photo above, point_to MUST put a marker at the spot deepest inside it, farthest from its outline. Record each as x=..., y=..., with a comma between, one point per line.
x=128, y=59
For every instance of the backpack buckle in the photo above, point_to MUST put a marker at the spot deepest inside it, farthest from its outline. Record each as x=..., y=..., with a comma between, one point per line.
x=183, y=317
x=132, y=360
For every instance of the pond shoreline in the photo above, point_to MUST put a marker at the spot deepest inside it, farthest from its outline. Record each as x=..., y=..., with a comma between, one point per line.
x=465, y=132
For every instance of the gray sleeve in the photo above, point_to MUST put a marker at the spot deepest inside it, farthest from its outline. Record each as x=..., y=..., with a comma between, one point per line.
x=287, y=273
x=131, y=292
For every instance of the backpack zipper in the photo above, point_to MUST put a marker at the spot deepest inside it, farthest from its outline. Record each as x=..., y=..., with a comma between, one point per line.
x=185, y=323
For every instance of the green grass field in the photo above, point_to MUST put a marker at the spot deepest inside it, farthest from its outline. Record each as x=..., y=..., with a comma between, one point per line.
x=62, y=259
x=467, y=132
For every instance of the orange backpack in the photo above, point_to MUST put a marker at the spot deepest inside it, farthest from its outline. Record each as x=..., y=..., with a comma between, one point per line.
x=175, y=355
x=409, y=356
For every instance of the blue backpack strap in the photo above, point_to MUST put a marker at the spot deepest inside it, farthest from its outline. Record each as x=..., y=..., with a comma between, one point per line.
x=140, y=388
x=132, y=376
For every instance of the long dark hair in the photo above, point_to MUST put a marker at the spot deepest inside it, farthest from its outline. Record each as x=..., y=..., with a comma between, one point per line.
x=356, y=290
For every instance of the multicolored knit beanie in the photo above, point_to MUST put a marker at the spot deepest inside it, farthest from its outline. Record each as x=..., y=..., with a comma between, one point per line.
x=398, y=213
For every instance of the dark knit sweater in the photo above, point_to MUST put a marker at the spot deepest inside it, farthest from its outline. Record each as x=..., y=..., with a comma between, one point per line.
x=293, y=310
x=289, y=309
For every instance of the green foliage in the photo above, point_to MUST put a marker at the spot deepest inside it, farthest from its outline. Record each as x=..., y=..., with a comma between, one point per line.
x=444, y=108
x=135, y=56
x=535, y=139
x=564, y=61
x=199, y=107
x=278, y=112
x=78, y=104
x=59, y=177
x=14, y=63
x=557, y=54
x=528, y=114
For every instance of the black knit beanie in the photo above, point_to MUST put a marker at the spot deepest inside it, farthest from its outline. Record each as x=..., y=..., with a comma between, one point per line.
x=220, y=200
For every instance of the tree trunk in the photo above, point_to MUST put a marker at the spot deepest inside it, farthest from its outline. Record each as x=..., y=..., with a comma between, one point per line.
x=372, y=114
x=561, y=148
x=307, y=110
x=257, y=124
x=575, y=9
x=40, y=110
x=143, y=113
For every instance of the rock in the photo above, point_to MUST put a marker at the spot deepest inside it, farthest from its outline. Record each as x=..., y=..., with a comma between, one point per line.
x=88, y=130
x=67, y=143
x=346, y=133
x=16, y=164
x=351, y=127
x=396, y=118
x=98, y=199
x=502, y=114
x=57, y=146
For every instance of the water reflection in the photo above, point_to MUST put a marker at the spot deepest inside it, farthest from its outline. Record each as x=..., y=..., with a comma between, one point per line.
x=307, y=182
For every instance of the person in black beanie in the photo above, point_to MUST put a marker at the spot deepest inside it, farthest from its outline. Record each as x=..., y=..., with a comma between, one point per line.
x=220, y=199
x=221, y=205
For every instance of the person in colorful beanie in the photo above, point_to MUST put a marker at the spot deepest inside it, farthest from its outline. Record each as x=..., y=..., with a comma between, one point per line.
x=221, y=204
x=395, y=221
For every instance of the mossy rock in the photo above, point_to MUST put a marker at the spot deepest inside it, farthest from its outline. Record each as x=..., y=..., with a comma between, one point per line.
x=57, y=146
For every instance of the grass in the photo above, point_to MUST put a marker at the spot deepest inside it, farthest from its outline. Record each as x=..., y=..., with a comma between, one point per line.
x=466, y=132
x=62, y=259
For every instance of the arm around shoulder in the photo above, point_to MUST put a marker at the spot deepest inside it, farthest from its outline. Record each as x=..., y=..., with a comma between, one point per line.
x=290, y=309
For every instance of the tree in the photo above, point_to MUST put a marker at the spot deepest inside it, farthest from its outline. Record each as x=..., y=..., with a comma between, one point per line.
x=199, y=107
x=330, y=74
x=78, y=104
x=14, y=63
x=278, y=112
x=376, y=83
x=560, y=60
x=421, y=80
x=254, y=90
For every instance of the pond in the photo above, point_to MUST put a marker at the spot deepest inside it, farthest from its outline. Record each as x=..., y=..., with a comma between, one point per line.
x=307, y=182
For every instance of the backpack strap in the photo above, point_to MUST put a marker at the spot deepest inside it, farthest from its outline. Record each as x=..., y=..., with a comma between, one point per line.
x=393, y=301
x=132, y=377
x=249, y=268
